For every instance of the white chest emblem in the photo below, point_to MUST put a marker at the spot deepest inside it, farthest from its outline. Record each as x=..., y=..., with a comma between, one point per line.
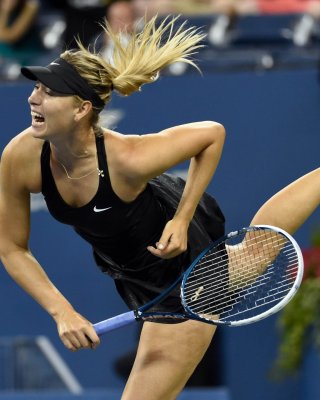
x=95, y=209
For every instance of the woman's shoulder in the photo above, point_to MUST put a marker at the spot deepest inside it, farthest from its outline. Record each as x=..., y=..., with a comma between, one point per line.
x=24, y=145
x=20, y=161
x=23, y=154
x=119, y=144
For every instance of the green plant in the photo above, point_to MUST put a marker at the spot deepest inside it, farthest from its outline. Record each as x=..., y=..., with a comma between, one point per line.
x=299, y=322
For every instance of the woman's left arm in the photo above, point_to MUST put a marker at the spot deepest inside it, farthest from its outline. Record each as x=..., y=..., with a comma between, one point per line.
x=202, y=143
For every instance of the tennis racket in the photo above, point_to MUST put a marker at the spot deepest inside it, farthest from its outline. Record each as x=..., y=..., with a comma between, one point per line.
x=239, y=279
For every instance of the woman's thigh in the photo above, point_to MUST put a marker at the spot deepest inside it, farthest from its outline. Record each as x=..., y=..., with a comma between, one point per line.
x=166, y=358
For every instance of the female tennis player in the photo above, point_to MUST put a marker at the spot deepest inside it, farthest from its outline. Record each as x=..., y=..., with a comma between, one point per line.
x=145, y=227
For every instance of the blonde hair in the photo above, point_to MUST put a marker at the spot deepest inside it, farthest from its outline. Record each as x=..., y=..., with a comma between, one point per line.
x=140, y=60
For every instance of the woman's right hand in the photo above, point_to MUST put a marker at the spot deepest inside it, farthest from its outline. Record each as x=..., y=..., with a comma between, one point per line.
x=75, y=331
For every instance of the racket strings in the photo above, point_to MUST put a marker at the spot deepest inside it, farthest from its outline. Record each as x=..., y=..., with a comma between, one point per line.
x=222, y=263
x=268, y=268
x=207, y=298
x=271, y=297
x=215, y=275
x=218, y=296
x=237, y=299
x=219, y=284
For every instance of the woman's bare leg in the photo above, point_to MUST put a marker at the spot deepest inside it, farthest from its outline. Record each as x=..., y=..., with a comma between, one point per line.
x=166, y=358
x=289, y=208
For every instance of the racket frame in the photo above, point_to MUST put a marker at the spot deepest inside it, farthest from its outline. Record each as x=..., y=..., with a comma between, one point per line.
x=277, y=307
x=142, y=314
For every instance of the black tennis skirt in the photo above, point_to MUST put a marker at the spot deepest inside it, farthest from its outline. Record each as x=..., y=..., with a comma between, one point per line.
x=206, y=226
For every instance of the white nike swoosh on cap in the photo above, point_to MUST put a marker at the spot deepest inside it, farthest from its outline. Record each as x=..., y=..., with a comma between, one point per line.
x=95, y=209
x=54, y=63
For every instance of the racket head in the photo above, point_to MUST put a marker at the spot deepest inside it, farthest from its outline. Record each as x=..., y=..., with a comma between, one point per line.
x=243, y=277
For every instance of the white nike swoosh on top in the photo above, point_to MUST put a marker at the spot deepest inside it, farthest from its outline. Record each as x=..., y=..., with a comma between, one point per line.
x=95, y=209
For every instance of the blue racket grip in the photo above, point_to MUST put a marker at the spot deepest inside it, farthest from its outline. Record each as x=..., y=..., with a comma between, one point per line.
x=113, y=323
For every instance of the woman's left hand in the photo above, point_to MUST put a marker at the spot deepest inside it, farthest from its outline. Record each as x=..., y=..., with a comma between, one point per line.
x=173, y=241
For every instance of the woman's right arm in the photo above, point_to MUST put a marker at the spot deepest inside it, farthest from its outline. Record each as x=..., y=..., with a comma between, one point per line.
x=74, y=330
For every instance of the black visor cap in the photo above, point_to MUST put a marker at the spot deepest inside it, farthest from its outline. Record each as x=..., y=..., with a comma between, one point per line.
x=61, y=77
x=48, y=78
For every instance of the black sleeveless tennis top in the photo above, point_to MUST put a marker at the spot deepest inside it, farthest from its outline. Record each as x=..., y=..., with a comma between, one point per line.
x=113, y=227
x=120, y=232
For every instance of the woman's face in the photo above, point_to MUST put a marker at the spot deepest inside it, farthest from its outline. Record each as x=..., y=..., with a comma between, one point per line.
x=53, y=114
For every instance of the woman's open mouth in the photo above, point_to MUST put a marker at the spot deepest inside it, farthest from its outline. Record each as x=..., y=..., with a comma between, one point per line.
x=37, y=119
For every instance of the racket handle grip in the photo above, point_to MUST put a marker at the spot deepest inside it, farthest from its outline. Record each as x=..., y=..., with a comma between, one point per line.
x=113, y=323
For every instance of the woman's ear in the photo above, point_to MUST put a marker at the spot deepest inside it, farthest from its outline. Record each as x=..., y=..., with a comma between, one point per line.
x=83, y=109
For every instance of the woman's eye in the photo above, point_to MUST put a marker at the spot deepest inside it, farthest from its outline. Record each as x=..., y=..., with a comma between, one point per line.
x=50, y=92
